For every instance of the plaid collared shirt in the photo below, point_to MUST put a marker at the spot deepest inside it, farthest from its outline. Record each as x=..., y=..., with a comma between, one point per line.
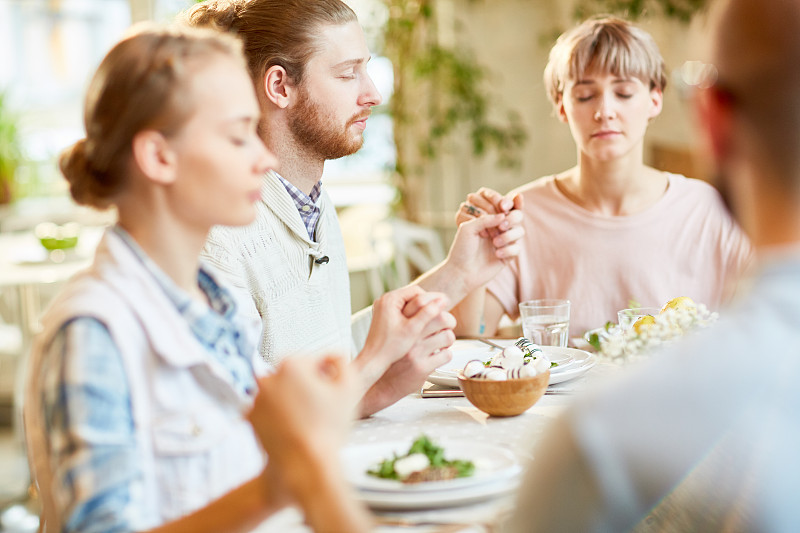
x=87, y=404
x=306, y=205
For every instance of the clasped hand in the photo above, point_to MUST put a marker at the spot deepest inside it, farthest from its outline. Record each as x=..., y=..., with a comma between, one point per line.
x=409, y=336
x=489, y=233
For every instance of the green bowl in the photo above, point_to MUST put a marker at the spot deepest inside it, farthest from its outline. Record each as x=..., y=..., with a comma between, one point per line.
x=55, y=237
x=53, y=243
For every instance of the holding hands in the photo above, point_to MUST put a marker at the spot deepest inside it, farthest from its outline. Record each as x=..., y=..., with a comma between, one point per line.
x=489, y=231
x=486, y=201
x=409, y=336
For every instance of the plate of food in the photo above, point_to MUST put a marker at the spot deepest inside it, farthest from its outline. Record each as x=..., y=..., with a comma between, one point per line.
x=566, y=363
x=473, y=494
x=424, y=466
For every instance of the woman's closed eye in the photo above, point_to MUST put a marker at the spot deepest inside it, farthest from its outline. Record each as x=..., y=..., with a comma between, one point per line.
x=244, y=136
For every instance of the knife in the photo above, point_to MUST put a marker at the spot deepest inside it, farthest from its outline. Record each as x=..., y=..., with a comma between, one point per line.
x=458, y=393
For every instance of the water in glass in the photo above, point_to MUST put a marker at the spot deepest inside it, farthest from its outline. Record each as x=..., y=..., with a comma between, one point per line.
x=546, y=330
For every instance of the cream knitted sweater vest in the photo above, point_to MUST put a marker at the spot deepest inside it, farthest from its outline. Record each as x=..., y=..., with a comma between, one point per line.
x=304, y=305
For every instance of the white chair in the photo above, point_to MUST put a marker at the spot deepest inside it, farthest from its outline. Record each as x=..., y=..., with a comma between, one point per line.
x=416, y=248
x=385, y=252
x=366, y=258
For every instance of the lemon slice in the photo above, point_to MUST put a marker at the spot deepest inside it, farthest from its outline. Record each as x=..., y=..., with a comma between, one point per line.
x=643, y=323
x=681, y=302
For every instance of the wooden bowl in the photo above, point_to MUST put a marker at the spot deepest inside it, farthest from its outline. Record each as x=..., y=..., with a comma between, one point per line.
x=504, y=398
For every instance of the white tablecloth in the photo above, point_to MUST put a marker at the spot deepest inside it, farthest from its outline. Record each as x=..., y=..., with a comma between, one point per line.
x=456, y=418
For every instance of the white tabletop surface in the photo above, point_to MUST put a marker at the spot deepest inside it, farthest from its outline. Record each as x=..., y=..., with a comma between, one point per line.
x=455, y=418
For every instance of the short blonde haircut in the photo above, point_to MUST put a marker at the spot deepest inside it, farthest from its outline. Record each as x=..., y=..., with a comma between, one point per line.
x=604, y=44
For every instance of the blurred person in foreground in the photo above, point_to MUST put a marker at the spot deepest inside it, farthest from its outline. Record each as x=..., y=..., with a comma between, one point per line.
x=610, y=229
x=705, y=436
x=138, y=386
x=308, y=61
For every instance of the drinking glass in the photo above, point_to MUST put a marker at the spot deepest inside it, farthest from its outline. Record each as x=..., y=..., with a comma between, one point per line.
x=545, y=322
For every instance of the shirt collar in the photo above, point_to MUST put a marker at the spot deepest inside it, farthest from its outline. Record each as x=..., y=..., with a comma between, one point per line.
x=299, y=197
x=306, y=205
x=219, y=299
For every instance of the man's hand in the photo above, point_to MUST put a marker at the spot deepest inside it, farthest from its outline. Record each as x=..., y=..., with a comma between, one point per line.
x=488, y=235
x=403, y=319
x=408, y=338
x=482, y=246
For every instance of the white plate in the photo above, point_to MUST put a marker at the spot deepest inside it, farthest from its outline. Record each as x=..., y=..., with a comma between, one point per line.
x=492, y=464
x=581, y=362
x=429, y=500
x=465, y=351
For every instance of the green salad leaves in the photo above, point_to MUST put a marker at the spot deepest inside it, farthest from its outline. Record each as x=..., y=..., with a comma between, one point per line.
x=435, y=454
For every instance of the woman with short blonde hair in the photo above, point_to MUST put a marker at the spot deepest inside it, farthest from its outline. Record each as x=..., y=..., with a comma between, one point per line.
x=611, y=229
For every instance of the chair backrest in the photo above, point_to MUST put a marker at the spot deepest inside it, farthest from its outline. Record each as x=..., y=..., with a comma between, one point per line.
x=417, y=249
x=385, y=252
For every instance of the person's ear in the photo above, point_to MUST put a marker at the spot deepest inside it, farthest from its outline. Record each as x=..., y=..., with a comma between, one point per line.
x=656, y=102
x=154, y=156
x=562, y=113
x=277, y=86
x=716, y=118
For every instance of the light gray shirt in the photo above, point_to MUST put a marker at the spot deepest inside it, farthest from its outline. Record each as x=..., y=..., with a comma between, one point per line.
x=704, y=437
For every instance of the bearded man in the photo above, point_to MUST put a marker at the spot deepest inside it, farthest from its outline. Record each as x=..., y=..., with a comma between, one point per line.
x=308, y=61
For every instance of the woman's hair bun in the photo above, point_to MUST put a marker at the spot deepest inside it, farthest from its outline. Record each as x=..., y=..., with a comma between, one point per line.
x=85, y=183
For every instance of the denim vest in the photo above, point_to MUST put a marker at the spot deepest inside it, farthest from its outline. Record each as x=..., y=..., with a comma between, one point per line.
x=193, y=442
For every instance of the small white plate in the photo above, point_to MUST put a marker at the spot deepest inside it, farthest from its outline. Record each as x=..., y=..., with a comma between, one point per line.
x=492, y=463
x=581, y=362
x=563, y=362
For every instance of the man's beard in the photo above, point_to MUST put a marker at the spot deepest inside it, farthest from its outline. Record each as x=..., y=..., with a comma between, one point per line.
x=316, y=129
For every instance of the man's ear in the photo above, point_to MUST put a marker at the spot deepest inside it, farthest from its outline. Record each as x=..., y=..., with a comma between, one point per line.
x=277, y=86
x=154, y=156
x=715, y=110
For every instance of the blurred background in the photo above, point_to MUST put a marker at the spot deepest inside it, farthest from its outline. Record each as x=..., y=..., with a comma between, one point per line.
x=464, y=107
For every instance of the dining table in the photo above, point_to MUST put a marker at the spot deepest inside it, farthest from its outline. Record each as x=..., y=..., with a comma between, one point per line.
x=27, y=270
x=445, y=416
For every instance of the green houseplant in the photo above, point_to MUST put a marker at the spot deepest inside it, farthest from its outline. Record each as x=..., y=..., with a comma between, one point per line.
x=439, y=94
x=10, y=150
x=682, y=10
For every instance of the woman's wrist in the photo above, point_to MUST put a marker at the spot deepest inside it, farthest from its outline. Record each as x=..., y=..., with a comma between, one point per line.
x=312, y=474
x=450, y=278
x=369, y=366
